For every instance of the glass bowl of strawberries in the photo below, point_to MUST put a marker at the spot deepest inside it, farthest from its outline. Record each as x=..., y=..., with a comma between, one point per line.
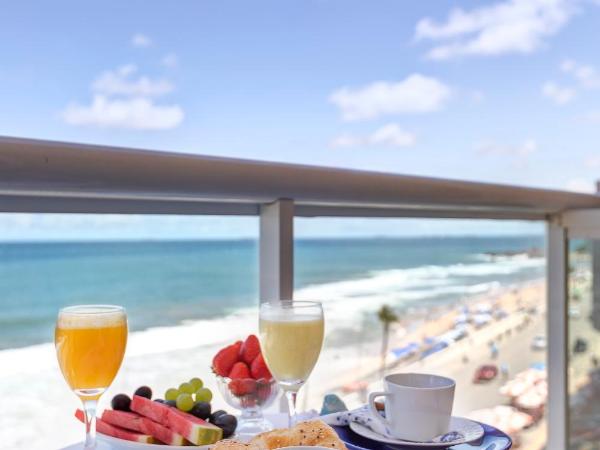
x=246, y=383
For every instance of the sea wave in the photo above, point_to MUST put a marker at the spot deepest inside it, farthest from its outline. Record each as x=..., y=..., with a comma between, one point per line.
x=422, y=282
x=345, y=301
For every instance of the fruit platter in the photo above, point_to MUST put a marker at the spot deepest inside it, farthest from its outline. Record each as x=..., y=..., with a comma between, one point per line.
x=183, y=421
x=184, y=416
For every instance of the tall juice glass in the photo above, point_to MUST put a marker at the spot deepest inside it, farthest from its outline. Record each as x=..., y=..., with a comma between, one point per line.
x=291, y=337
x=90, y=343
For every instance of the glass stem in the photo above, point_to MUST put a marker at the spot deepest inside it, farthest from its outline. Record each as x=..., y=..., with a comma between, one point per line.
x=89, y=408
x=291, y=398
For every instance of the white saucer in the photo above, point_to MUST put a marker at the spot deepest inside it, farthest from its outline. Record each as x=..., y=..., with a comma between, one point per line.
x=470, y=430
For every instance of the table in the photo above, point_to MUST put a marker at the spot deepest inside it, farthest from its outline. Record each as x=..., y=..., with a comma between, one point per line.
x=493, y=439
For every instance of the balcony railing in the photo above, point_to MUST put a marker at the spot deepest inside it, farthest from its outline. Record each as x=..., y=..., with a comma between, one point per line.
x=54, y=177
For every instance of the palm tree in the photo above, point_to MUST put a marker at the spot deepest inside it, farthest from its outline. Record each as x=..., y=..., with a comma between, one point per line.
x=386, y=316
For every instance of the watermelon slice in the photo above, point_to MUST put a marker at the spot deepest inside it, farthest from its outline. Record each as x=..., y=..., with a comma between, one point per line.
x=162, y=433
x=195, y=430
x=118, y=432
x=156, y=411
x=133, y=421
x=124, y=419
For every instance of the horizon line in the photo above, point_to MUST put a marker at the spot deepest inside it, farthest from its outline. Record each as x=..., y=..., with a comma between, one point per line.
x=247, y=238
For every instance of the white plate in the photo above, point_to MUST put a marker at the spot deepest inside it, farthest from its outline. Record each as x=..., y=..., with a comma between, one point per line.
x=470, y=430
x=122, y=444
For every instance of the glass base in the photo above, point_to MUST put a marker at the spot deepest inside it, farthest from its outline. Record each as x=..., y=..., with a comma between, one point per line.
x=100, y=445
x=248, y=427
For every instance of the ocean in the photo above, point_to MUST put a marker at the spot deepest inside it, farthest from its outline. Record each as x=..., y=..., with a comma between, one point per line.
x=167, y=283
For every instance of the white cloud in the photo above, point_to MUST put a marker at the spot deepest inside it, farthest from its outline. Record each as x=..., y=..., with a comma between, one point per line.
x=415, y=94
x=519, y=154
x=511, y=26
x=141, y=40
x=390, y=135
x=558, y=94
x=134, y=113
x=586, y=75
x=580, y=185
x=119, y=82
x=170, y=60
x=122, y=99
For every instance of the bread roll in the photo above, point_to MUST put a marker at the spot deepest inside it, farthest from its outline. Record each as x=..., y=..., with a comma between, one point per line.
x=312, y=433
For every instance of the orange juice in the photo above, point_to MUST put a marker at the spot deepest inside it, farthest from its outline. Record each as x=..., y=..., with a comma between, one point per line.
x=90, y=346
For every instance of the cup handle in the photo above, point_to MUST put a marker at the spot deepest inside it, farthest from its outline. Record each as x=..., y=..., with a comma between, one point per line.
x=373, y=409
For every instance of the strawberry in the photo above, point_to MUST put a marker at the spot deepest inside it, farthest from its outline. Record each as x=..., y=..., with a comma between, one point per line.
x=240, y=386
x=250, y=349
x=226, y=358
x=238, y=346
x=259, y=368
x=239, y=370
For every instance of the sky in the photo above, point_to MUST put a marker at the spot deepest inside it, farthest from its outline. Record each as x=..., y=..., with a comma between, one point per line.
x=503, y=91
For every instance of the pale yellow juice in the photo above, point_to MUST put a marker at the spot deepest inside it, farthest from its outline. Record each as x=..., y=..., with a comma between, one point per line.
x=291, y=346
x=90, y=349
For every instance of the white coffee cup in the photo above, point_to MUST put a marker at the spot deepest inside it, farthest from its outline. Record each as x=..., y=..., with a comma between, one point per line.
x=418, y=406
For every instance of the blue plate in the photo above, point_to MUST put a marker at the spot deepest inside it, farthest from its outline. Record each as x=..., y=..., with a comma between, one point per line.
x=493, y=439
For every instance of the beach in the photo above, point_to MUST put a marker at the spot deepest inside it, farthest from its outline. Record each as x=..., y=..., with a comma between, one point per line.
x=428, y=298
x=449, y=362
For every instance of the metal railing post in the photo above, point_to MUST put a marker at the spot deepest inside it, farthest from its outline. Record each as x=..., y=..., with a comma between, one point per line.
x=557, y=332
x=276, y=249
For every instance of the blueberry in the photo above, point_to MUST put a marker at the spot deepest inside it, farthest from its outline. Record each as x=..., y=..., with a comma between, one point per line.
x=144, y=391
x=201, y=410
x=227, y=423
x=121, y=402
x=159, y=400
x=216, y=414
x=171, y=403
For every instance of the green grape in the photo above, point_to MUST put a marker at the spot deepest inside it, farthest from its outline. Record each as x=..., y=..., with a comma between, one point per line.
x=204, y=395
x=186, y=388
x=196, y=383
x=184, y=402
x=171, y=394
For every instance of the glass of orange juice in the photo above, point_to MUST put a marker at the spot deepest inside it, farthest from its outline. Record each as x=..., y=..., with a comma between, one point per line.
x=291, y=337
x=90, y=343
